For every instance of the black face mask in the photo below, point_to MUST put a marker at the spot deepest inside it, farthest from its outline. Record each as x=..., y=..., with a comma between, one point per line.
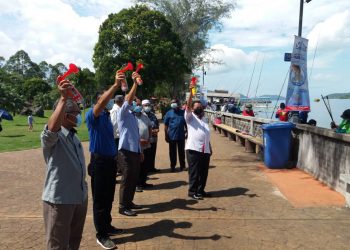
x=199, y=112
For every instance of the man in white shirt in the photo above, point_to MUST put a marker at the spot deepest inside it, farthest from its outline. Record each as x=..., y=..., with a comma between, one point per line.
x=198, y=148
x=118, y=102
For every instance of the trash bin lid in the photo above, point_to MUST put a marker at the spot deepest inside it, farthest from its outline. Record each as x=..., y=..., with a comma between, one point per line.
x=278, y=125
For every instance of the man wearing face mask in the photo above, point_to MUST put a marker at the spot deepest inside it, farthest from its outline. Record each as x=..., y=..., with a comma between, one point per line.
x=65, y=190
x=102, y=164
x=174, y=128
x=198, y=148
x=145, y=130
x=146, y=104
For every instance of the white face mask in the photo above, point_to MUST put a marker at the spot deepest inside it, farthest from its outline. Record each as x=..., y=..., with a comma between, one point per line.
x=109, y=105
x=147, y=109
x=173, y=105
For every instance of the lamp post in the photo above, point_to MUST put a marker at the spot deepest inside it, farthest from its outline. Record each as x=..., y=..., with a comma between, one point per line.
x=301, y=16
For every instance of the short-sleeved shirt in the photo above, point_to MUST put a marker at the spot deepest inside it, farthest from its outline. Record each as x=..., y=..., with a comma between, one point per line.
x=144, y=123
x=30, y=119
x=129, y=137
x=101, y=134
x=65, y=167
x=198, y=133
x=282, y=114
x=114, y=112
x=175, y=121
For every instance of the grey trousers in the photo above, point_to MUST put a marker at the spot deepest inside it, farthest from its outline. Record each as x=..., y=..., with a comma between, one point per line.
x=64, y=224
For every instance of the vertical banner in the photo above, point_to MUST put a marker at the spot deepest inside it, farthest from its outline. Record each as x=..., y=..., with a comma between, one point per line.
x=298, y=98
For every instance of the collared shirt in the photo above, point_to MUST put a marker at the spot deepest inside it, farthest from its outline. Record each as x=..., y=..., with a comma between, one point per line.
x=198, y=133
x=114, y=112
x=155, y=125
x=175, y=121
x=144, y=124
x=101, y=134
x=129, y=137
x=65, y=167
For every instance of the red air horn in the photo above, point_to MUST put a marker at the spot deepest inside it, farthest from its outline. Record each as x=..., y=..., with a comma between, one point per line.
x=138, y=68
x=74, y=93
x=193, y=85
x=128, y=67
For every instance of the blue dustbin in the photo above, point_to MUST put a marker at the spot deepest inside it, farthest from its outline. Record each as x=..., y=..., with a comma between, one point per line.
x=277, y=143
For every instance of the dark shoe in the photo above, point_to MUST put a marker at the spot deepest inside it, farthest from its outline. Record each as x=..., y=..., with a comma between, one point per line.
x=134, y=206
x=106, y=243
x=127, y=212
x=115, y=231
x=147, y=185
x=172, y=170
x=139, y=189
x=196, y=196
x=199, y=196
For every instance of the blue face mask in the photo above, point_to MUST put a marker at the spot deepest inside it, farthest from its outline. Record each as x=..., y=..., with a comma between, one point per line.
x=79, y=120
x=109, y=105
x=138, y=109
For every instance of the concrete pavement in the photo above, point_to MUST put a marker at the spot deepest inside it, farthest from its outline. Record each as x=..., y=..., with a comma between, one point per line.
x=245, y=212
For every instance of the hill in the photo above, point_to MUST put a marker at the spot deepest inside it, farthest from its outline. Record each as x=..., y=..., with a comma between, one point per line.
x=339, y=96
x=273, y=97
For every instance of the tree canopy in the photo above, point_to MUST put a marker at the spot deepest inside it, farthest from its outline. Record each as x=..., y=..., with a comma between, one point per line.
x=140, y=34
x=192, y=20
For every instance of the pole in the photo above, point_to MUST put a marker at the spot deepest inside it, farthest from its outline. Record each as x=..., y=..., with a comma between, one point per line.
x=203, y=73
x=301, y=17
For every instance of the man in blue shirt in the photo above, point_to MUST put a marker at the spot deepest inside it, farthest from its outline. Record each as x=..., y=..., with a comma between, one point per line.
x=102, y=167
x=175, y=129
x=129, y=153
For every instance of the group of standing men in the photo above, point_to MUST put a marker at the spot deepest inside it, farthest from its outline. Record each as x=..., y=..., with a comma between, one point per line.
x=121, y=136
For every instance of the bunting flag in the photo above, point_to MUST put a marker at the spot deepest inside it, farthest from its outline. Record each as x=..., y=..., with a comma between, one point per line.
x=298, y=98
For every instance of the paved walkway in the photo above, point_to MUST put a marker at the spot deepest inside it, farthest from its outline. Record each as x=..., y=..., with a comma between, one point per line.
x=246, y=212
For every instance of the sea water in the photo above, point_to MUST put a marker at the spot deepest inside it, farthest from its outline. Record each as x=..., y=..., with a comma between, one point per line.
x=318, y=111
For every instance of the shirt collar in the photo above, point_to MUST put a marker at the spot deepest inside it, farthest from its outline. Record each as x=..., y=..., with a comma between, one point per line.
x=66, y=132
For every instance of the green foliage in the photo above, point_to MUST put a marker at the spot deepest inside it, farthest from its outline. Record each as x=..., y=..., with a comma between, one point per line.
x=35, y=87
x=140, y=34
x=192, y=20
x=85, y=82
x=21, y=64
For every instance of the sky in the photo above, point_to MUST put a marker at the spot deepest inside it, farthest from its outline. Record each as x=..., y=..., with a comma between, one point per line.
x=258, y=32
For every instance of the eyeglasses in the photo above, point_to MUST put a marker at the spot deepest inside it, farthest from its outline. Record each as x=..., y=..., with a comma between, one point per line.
x=74, y=112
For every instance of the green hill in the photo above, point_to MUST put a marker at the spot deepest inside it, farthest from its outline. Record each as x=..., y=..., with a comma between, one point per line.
x=339, y=96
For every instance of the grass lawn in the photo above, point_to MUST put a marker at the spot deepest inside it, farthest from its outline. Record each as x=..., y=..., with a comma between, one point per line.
x=15, y=135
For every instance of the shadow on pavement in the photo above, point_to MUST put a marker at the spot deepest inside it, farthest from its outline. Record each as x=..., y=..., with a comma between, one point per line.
x=161, y=228
x=171, y=205
x=169, y=185
x=237, y=191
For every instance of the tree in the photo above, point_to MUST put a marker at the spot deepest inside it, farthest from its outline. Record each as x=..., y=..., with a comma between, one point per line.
x=51, y=72
x=140, y=34
x=192, y=20
x=85, y=82
x=35, y=87
x=2, y=61
x=21, y=64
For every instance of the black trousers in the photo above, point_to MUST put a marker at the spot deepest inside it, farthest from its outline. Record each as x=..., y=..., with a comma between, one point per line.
x=144, y=167
x=129, y=165
x=103, y=173
x=198, y=166
x=152, y=160
x=180, y=145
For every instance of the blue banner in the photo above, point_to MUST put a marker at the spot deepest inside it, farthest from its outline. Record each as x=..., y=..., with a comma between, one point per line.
x=298, y=98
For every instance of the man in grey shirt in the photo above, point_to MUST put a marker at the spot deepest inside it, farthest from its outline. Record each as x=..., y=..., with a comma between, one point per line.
x=65, y=190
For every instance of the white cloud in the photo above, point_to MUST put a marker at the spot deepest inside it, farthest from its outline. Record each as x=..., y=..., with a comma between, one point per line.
x=53, y=30
x=232, y=59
